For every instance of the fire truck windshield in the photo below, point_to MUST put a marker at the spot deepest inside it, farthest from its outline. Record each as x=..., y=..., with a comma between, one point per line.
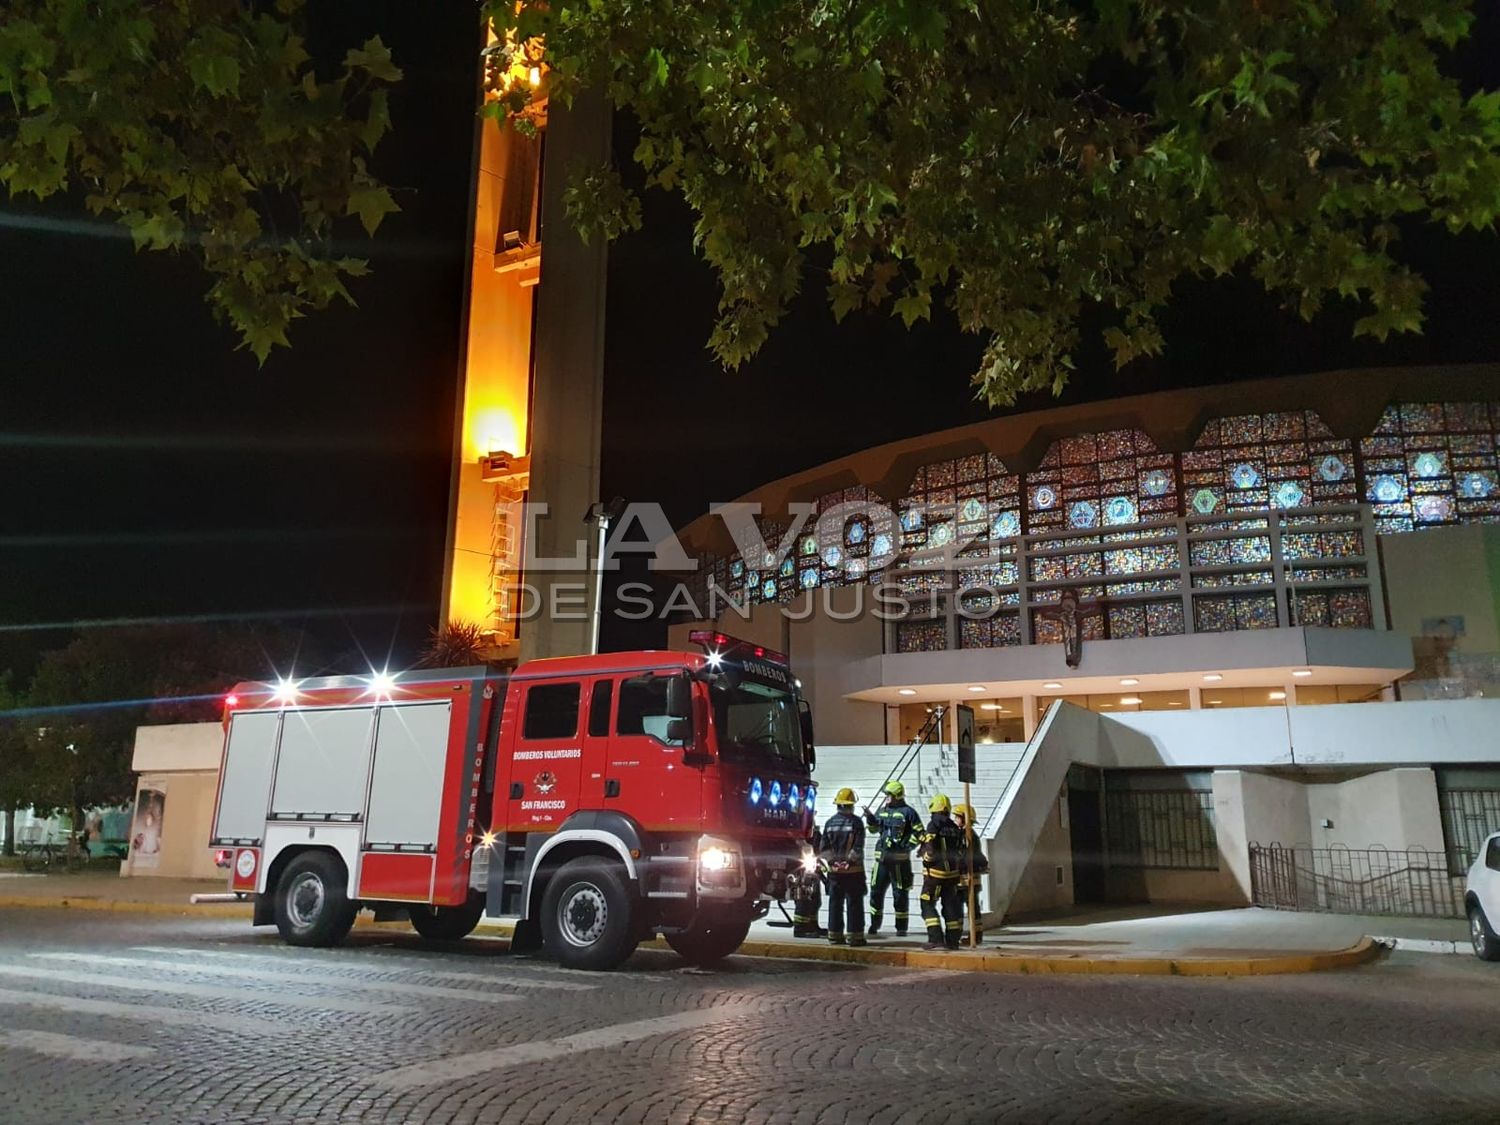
x=757, y=720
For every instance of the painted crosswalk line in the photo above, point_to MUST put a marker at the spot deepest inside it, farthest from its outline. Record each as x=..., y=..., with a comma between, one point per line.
x=141, y=1013
x=246, y=972
x=199, y=991
x=456, y=1068
x=499, y=977
x=71, y=1047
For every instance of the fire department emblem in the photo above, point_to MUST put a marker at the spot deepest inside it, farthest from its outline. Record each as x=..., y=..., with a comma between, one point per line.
x=545, y=782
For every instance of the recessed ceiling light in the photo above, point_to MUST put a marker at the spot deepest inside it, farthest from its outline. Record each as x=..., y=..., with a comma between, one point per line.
x=1212, y=677
x=1215, y=702
x=1173, y=703
x=991, y=707
x=1300, y=672
x=978, y=687
x=1129, y=681
x=1131, y=700
x=1277, y=695
x=906, y=691
x=1053, y=686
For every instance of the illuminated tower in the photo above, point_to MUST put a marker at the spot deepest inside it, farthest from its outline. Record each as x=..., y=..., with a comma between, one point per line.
x=530, y=383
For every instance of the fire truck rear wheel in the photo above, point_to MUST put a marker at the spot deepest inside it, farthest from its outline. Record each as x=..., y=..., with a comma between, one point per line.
x=446, y=923
x=709, y=942
x=586, y=915
x=311, y=906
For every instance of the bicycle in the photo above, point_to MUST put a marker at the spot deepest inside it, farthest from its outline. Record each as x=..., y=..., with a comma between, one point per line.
x=42, y=855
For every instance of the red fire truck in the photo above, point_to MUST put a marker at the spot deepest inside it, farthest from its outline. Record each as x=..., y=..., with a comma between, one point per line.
x=594, y=800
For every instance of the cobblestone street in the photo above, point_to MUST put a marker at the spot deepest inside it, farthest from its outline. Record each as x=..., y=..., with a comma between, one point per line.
x=134, y=1018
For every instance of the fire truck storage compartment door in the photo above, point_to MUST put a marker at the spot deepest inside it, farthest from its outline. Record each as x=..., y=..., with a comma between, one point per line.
x=246, y=781
x=406, y=788
x=324, y=762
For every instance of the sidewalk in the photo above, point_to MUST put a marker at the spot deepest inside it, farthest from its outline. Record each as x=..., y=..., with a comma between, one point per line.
x=103, y=891
x=1135, y=939
x=1155, y=939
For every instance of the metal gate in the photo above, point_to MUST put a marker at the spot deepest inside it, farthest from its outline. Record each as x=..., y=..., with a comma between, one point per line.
x=1411, y=883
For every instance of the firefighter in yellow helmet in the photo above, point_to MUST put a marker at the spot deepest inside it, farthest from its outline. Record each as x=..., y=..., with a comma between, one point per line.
x=963, y=816
x=942, y=853
x=900, y=830
x=842, y=854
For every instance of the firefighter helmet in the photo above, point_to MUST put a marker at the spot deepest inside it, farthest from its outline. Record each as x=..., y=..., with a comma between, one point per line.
x=963, y=811
x=845, y=796
x=895, y=789
x=939, y=804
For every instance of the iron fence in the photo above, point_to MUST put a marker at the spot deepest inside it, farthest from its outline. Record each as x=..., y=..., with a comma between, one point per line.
x=1469, y=816
x=1412, y=883
x=1161, y=828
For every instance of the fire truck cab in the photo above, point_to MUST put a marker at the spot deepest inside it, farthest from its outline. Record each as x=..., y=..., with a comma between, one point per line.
x=596, y=801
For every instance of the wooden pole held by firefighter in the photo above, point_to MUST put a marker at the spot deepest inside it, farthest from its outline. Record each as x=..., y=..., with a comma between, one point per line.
x=969, y=853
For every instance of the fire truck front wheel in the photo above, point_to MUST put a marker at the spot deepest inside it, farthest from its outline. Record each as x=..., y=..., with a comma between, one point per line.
x=311, y=905
x=586, y=915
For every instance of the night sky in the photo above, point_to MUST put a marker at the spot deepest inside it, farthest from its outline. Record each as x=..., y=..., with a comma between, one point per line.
x=150, y=470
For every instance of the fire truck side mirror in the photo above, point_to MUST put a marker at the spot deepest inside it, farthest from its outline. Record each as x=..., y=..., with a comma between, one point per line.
x=680, y=699
x=804, y=717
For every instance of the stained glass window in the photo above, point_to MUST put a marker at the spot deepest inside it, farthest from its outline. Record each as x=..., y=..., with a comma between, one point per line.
x=1115, y=478
x=1432, y=463
x=969, y=501
x=1285, y=459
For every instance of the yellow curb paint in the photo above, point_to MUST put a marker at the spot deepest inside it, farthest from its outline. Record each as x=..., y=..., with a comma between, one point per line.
x=962, y=962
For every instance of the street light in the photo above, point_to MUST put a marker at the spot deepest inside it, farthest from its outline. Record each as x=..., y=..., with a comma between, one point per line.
x=604, y=516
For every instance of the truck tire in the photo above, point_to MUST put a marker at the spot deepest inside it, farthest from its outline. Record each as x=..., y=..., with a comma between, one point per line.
x=311, y=905
x=446, y=923
x=707, y=942
x=1482, y=935
x=587, y=918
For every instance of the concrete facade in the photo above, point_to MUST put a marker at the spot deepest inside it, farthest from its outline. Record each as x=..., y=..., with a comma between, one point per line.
x=180, y=763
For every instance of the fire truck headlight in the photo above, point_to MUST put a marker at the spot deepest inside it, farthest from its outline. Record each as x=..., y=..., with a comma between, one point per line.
x=286, y=692
x=775, y=798
x=718, y=859
x=755, y=790
x=382, y=683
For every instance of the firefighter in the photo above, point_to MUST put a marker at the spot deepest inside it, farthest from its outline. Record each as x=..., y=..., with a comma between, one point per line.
x=963, y=816
x=942, y=853
x=806, y=887
x=842, y=856
x=900, y=830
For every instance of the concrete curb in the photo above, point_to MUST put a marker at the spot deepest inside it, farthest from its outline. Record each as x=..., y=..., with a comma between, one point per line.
x=995, y=962
x=962, y=961
x=122, y=906
x=1423, y=945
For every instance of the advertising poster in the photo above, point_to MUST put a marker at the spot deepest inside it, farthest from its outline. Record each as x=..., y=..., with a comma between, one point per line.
x=145, y=832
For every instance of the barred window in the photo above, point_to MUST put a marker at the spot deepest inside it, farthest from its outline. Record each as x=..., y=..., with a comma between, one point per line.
x=1160, y=827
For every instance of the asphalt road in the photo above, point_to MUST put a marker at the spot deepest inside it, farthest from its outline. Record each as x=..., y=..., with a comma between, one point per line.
x=112, y=1017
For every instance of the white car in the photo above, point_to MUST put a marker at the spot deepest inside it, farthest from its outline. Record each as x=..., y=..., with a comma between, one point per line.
x=1482, y=900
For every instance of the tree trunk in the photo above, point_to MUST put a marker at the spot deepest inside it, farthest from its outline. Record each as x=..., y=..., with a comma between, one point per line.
x=10, y=831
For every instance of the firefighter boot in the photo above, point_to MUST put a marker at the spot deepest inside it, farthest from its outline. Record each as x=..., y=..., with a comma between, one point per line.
x=935, y=937
x=857, y=939
x=838, y=939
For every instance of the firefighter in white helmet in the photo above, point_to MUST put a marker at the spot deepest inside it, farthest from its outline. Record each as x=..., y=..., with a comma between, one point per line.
x=842, y=854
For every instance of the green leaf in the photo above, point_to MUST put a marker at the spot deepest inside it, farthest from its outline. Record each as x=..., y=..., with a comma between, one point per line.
x=216, y=73
x=374, y=58
x=372, y=203
x=377, y=120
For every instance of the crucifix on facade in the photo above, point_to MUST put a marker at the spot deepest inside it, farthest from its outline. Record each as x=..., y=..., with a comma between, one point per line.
x=1069, y=613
